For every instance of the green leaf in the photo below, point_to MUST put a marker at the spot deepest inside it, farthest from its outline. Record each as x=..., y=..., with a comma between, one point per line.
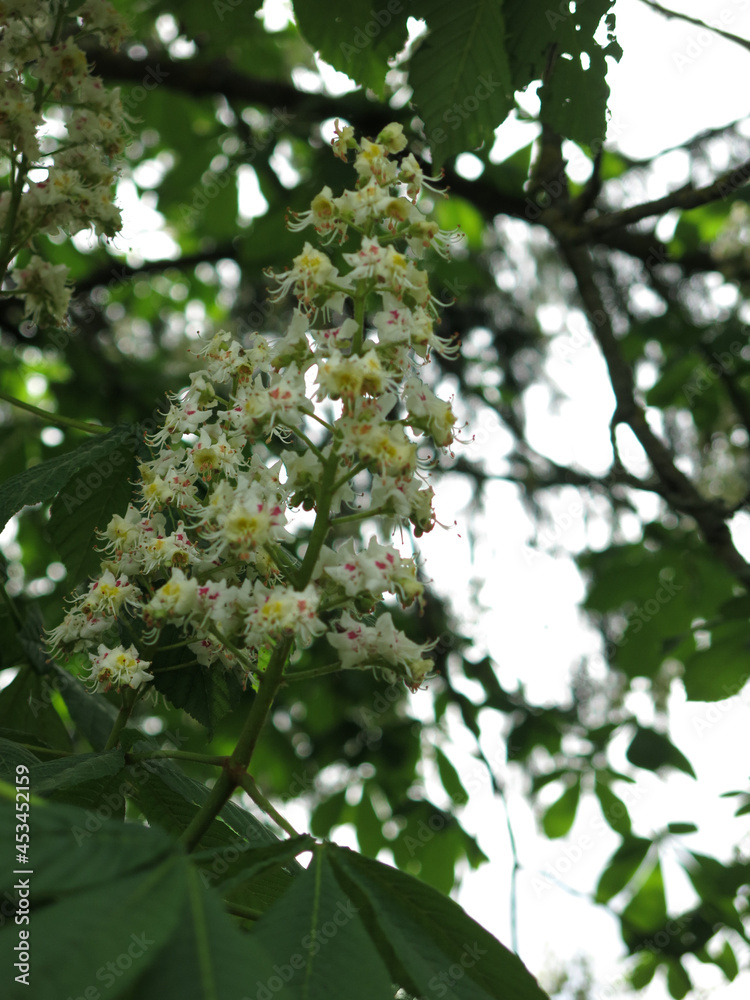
x=560, y=816
x=92, y=713
x=355, y=36
x=727, y=962
x=10, y=756
x=460, y=75
x=329, y=814
x=642, y=974
x=171, y=809
x=207, y=694
x=369, y=827
x=251, y=861
x=622, y=866
x=574, y=98
x=76, y=849
x=122, y=921
x=207, y=956
x=26, y=704
x=43, y=481
x=647, y=910
x=450, y=779
x=682, y=828
x=316, y=936
x=613, y=808
x=652, y=750
x=419, y=933
x=678, y=981
x=721, y=670
x=58, y=775
x=85, y=505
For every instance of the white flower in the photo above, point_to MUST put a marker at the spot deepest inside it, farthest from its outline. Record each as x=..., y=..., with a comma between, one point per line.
x=176, y=599
x=109, y=595
x=283, y=611
x=43, y=286
x=117, y=667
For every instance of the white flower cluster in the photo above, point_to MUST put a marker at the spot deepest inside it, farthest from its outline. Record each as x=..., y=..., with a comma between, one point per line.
x=212, y=548
x=60, y=130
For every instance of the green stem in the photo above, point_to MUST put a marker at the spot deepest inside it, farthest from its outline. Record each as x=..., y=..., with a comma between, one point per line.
x=303, y=675
x=349, y=474
x=361, y=515
x=42, y=751
x=198, y=758
x=248, y=784
x=232, y=648
x=238, y=763
x=359, y=316
x=129, y=698
x=303, y=437
x=54, y=418
x=320, y=528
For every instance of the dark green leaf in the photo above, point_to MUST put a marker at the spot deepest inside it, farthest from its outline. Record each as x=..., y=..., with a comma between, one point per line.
x=678, y=981
x=123, y=921
x=207, y=956
x=652, y=750
x=622, y=866
x=682, y=828
x=647, y=910
x=721, y=670
x=450, y=779
x=613, y=808
x=57, y=775
x=92, y=713
x=355, y=36
x=85, y=505
x=220, y=869
x=76, y=849
x=316, y=935
x=43, y=481
x=560, y=816
x=26, y=703
x=460, y=75
x=420, y=933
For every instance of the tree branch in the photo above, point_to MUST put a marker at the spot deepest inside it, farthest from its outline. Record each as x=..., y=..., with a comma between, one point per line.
x=669, y=14
x=677, y=489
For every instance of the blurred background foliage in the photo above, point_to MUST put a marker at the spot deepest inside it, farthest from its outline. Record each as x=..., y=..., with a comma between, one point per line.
x=230, y=122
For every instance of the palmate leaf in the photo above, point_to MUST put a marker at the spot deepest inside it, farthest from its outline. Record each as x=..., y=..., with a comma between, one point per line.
x=360, y=921
x=460, y=75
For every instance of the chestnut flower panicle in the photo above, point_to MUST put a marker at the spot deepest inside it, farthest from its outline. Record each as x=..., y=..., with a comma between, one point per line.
x=213, y=548
x=61, y=176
